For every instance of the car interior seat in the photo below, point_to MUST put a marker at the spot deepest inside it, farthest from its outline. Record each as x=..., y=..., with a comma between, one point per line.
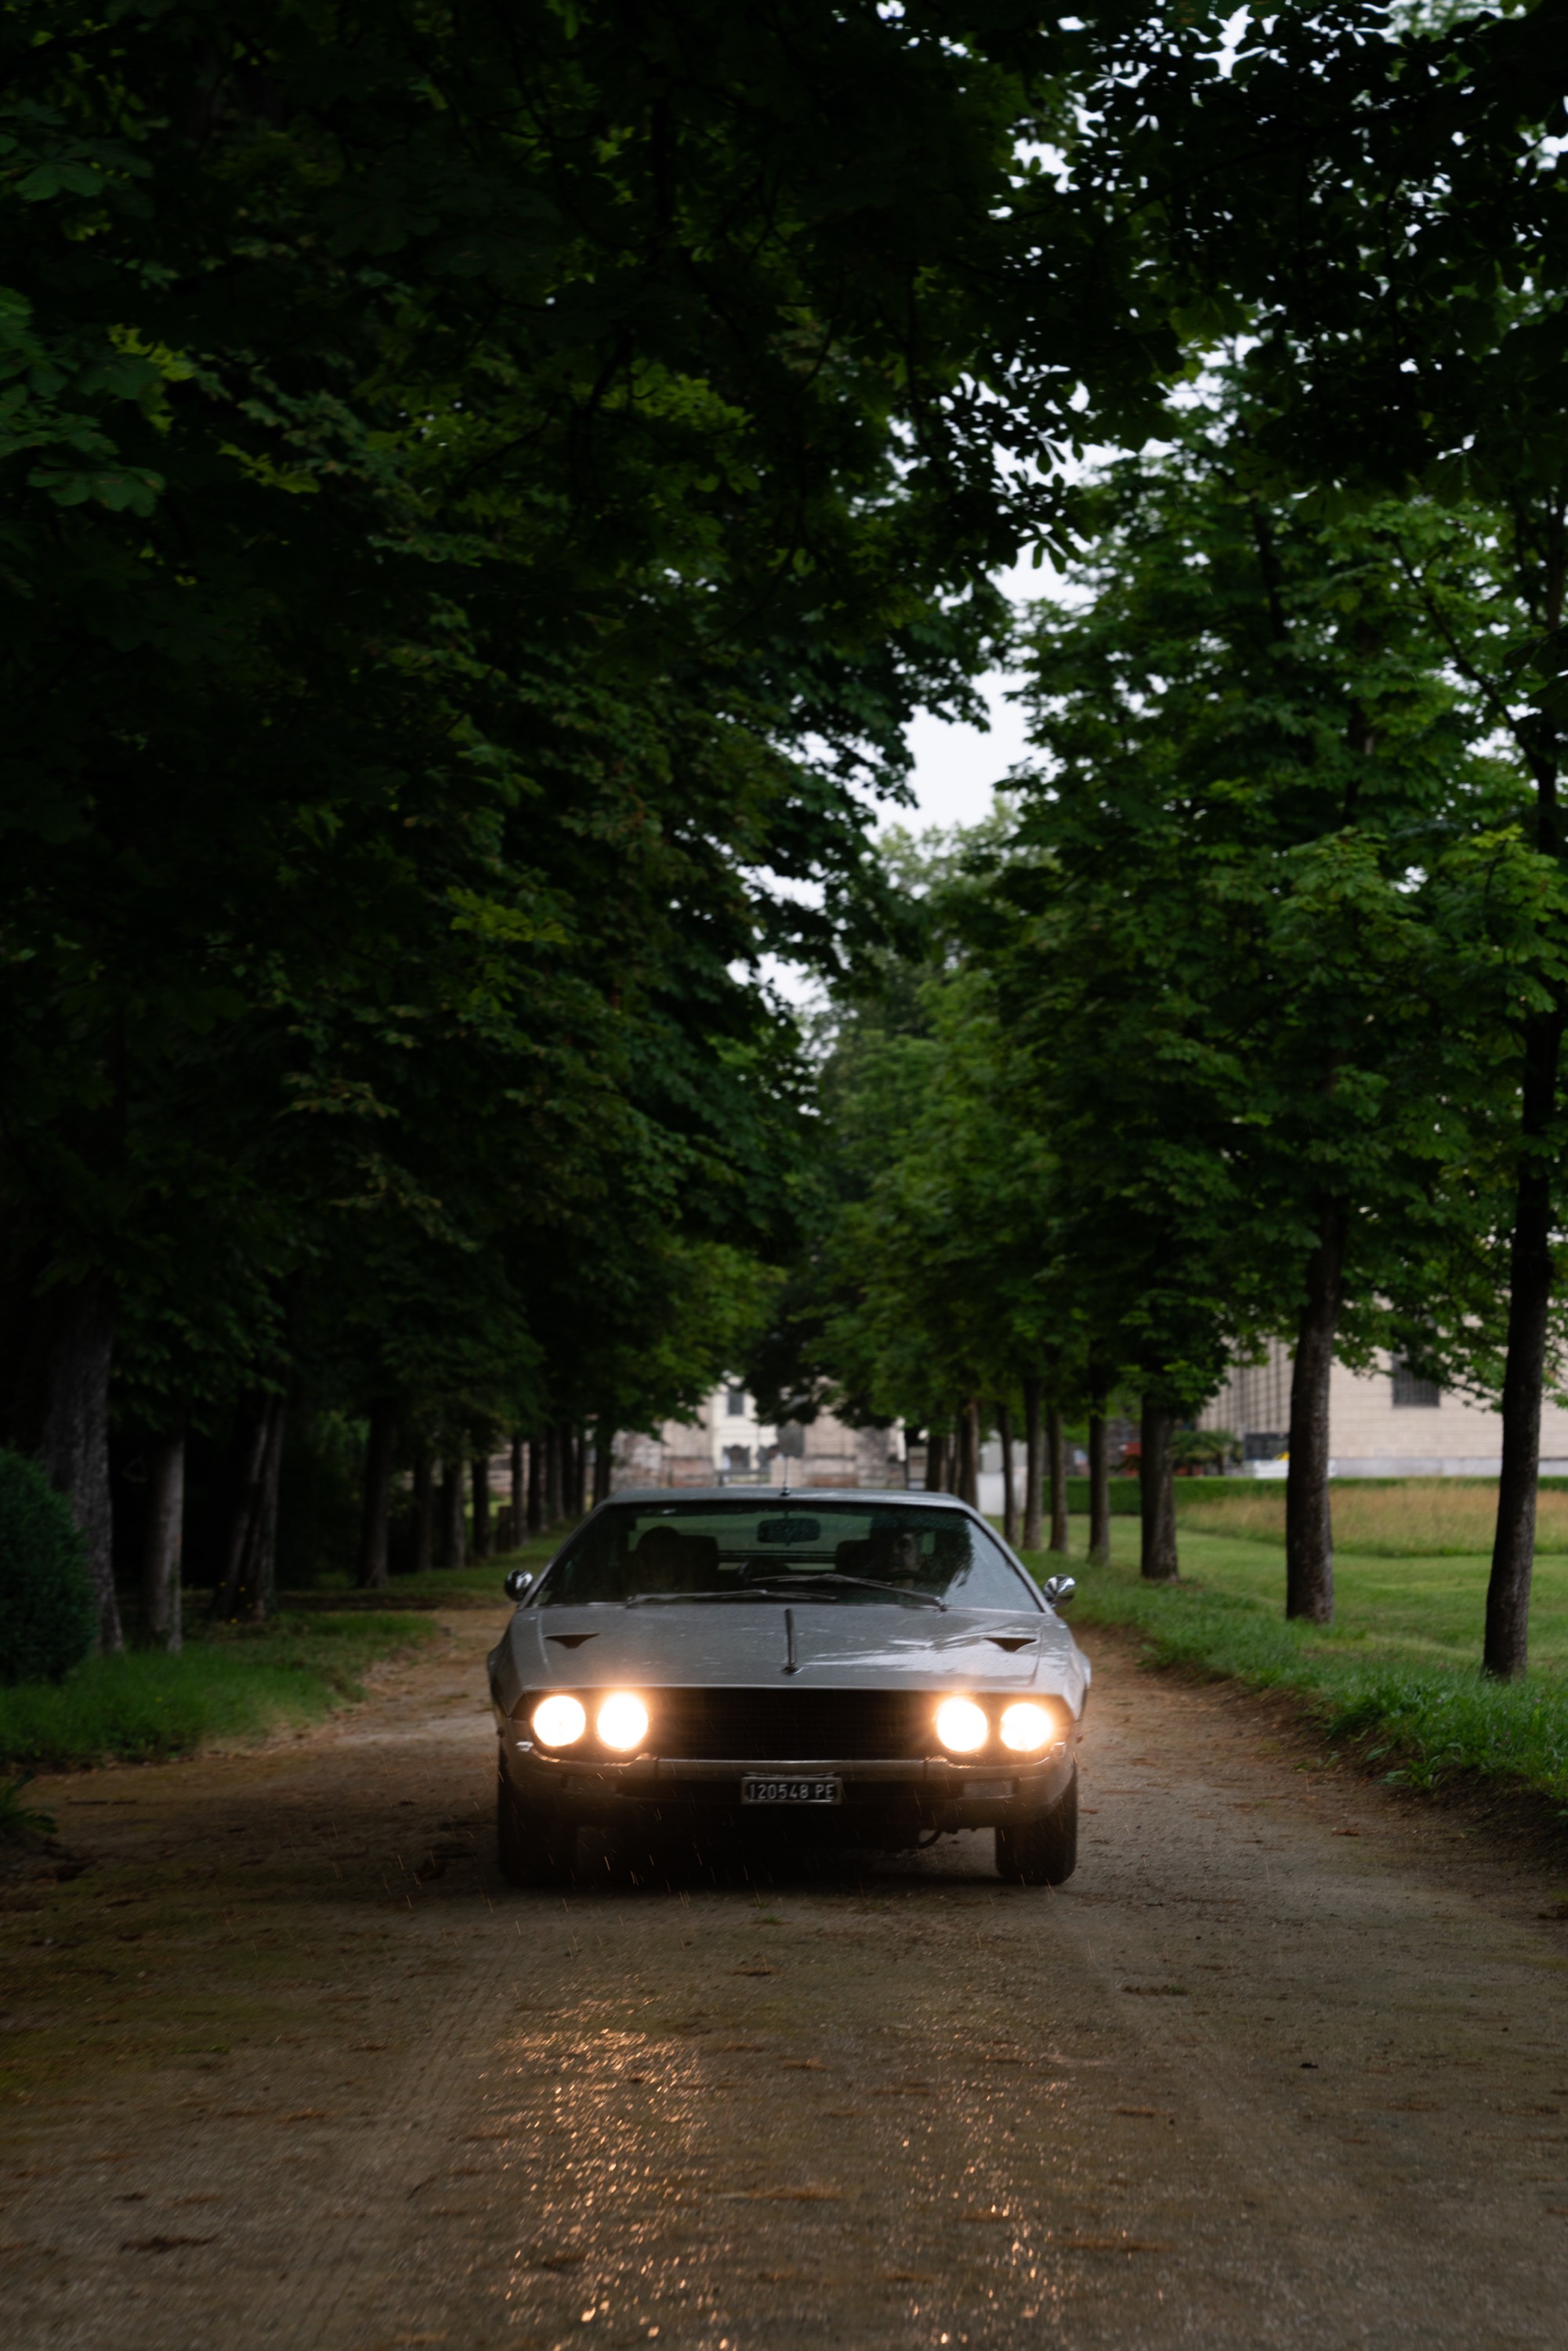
x=892, y=1554
x=667, y=1560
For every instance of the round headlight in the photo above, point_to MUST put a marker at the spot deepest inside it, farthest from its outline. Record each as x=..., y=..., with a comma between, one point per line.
x=622, y=1721
x=558, y=1720
x=1027, y=1727
x=961, y=1726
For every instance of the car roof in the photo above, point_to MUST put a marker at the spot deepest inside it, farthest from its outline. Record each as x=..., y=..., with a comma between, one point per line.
x=851, y=1497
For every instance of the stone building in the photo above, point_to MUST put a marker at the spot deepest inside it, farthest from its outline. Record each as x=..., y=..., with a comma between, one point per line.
x=727, y=1445
x=1381, y=1424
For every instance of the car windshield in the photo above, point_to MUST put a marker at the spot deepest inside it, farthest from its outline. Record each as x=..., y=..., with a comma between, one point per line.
x=764, y=1549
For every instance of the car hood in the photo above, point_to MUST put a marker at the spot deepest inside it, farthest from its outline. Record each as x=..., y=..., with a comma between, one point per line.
x=690, y=1644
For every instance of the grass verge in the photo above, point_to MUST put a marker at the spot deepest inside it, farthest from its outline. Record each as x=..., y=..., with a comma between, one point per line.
x=227, y=1684
x=1409, y=1704
x=1424, y=1517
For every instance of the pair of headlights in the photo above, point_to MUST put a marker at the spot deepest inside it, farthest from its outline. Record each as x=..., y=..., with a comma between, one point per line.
x=622, y=1724
x=621, y=1721
x=965, y=1728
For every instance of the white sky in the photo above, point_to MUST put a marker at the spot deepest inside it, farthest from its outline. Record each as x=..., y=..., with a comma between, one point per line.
x=957, y=769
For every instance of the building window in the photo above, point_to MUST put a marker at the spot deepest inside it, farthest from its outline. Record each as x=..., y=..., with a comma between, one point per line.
x=737, y=1457
x=1408, y=1389
x=734, y=1403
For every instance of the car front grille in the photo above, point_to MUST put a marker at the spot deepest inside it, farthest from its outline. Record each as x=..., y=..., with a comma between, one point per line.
x=798, y=1725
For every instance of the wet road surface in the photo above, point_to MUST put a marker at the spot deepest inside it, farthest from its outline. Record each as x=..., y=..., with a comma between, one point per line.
x=1285, y=2065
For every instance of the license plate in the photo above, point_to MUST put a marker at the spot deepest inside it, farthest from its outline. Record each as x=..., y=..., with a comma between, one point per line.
x=764, y=1788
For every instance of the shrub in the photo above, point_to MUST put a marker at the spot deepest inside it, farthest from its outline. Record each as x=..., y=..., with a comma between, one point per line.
x=48, y=1614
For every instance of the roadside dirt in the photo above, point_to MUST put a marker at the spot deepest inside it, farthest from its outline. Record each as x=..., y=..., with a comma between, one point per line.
x=1285, y=2065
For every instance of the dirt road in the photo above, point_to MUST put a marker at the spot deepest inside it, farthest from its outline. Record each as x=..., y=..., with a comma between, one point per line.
x=1286, y=2064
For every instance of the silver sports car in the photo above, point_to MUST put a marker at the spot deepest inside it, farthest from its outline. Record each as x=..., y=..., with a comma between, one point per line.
x=868, y=1669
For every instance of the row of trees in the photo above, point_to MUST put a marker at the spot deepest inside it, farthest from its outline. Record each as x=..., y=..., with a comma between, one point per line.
x=1215, y=1033
x=1246, y=1019
x=481, y=492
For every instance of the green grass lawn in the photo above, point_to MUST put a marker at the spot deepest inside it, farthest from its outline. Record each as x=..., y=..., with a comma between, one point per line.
x=1425, y=1610
x=229, y=1684
x=1396, y=1677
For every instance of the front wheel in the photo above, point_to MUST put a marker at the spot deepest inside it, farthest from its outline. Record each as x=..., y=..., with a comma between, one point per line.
x=1042, y=1850
x=532, y=1852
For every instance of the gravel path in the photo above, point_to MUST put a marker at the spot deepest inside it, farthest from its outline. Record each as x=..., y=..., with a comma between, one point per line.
x=1285, y=2065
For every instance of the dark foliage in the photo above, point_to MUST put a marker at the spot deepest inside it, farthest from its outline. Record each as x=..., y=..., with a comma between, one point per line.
x=47, y=1616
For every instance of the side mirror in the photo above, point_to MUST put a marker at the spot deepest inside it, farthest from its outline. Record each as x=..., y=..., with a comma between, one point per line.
x=517, y=1582
x=1058, y=1589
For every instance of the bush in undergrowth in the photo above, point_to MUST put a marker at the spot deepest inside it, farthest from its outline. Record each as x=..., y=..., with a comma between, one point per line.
x=48, y=1615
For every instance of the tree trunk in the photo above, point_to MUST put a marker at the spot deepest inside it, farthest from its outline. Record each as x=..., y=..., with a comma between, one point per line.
x=375, y=1516
x=76, y=1434
x=1507, y=1650
x=936, y=1460
x=262, y=1562
x=580, y=1470
x=249, y=1456
x=424, y=1512
x=1099, y=1487
x=537, y=1449
x=1309, y=1526
x=603, y=1457
x=452, y=1530
x=967, y=1484
x=519, y=1495
x=1034, y=1468
x=480, y=1546
x=1009, y=1500
x=1157, y=1495
x=1056, y=1444
x=555, y=1505
x=161, y=1598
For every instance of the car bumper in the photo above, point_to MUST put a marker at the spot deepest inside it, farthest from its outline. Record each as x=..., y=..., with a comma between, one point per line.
x=880, y=1796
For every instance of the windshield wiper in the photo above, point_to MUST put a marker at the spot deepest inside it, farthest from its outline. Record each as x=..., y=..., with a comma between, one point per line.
x=861, y=1583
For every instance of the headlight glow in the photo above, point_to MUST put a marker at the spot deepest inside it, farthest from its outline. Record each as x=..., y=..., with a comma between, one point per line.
x=1027, y=1727
x=558, y=1720
x=622, y=1721
x=961, y=1725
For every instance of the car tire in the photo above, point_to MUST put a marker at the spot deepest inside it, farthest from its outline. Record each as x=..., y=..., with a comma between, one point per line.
x=532, y=1852
x=1042, y=1848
